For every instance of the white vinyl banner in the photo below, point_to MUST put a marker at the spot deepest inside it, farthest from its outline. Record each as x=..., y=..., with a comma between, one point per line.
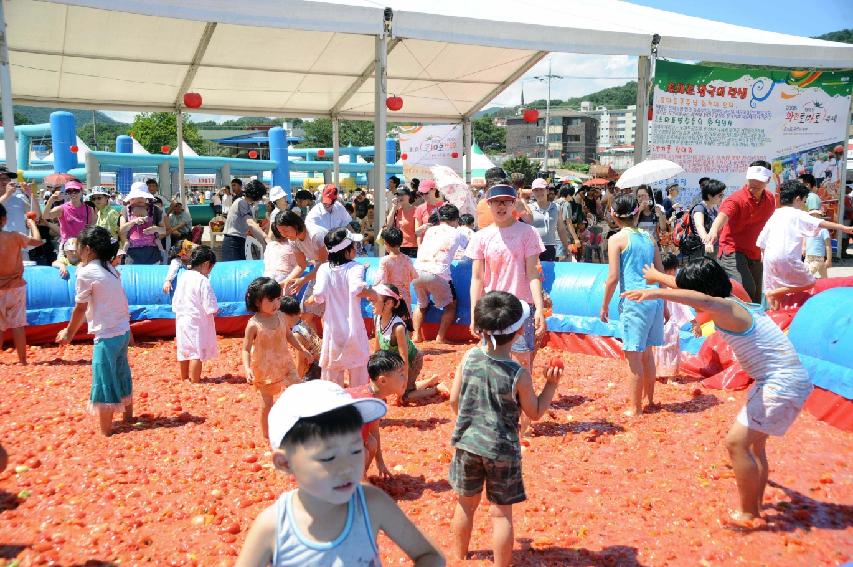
x=714, y=121
x=422, y=147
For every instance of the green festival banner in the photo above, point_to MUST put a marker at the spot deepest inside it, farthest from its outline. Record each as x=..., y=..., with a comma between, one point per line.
x=714, y=121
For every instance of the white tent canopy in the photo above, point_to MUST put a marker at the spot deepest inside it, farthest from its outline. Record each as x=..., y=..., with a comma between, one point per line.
x=447, y=59
x=188, y=151
x=138, y=149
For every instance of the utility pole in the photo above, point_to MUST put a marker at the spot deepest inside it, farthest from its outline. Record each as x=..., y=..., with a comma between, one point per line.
x=547, y=117
x=548, y=78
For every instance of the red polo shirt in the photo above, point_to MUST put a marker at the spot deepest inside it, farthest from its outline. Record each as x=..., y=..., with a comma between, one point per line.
x=747, y=216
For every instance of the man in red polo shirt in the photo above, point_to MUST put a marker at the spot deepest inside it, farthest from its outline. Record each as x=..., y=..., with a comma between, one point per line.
x=740, y=220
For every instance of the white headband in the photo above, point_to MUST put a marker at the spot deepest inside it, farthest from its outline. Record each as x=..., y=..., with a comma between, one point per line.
x=341, y=246
x=525, y=314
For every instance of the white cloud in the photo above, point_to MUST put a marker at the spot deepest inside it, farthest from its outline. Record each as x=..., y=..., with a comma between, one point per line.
x=582, y=74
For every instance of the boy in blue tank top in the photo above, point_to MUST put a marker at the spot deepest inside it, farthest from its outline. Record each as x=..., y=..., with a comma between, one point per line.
x=781, y=386
x=330, y=519
x=489, y=392
x=642, y=324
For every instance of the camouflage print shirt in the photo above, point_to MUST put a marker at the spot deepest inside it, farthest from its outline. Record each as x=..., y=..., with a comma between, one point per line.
x=487, y=424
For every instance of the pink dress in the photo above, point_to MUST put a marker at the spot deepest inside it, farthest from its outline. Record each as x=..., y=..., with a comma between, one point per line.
x=400, y=271
x=195, y=305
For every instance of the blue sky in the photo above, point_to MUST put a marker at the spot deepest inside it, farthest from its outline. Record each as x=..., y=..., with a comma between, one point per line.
x=796, y=17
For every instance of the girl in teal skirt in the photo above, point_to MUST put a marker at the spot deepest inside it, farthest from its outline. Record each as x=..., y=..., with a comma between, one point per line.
x=101, y=300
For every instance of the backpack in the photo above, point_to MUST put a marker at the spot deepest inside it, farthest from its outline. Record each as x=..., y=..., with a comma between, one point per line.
x=684, y=234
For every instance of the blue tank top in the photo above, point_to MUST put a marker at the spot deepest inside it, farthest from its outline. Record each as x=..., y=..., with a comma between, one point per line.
x=639, y=252
x=354, y=546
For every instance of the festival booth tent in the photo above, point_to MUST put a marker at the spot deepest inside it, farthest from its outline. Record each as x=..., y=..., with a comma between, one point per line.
x=138, y=149
x=188, y=151
x=446, y=59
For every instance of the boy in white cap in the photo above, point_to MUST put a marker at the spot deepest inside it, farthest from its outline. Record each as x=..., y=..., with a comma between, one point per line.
x=315, y=433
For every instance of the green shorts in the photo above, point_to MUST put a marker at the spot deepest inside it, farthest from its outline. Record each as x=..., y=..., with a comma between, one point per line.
x=112, y=384
x=504, y=485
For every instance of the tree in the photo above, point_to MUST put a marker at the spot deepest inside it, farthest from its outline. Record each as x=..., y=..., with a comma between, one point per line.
x=523, y=165
x=157, y=129
x=491, y=138
x=318, y=133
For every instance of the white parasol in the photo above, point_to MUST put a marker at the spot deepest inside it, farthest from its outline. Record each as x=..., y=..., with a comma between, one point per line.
x=647, y=172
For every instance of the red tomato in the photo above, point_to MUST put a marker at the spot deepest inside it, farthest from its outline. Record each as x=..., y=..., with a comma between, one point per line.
x=32, y=215
x=556, y=362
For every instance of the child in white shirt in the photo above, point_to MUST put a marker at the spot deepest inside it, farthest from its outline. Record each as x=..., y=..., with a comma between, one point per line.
x=340, y=286
x=195, y=305
x=781, y=240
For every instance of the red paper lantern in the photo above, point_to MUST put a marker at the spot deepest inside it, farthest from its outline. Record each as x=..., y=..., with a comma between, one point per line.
x=530, y=115
x=404, y=157
x=192, y=100
x=74, y=149
x=454, y=155
x=253, y=154
x=394, y=103
x=321, y=153
x=166, y=149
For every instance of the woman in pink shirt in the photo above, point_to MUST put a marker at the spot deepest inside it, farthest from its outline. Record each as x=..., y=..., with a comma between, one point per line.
x=506, y=258
x=73, y=215
x=402, y=216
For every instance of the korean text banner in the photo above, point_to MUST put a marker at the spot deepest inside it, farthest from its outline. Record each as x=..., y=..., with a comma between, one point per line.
x=422, y=147
x=714, y=121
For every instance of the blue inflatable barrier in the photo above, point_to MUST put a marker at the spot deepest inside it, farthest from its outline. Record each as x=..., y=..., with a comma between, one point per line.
x=576, y=290
x=822, y=334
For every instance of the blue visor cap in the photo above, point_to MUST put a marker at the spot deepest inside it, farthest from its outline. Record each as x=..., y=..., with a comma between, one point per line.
x=501, y=191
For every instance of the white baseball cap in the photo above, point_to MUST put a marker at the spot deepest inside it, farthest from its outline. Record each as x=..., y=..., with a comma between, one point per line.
x=309, y=399
x=276, y=193
x=758, y=173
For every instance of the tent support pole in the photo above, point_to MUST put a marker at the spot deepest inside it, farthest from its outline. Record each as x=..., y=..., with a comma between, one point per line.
x=6, y=96
x=180, y=122
x=336, y=150
x=641, y=131
x=467, y=143
x=842, y=186
x=380, y=127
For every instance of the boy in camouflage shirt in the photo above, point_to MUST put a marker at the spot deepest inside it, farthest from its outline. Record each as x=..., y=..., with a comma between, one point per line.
x=490, y=390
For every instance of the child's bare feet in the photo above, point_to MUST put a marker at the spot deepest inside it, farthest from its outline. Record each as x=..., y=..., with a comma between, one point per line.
x=742, y=521
x=443, y=390
x=429, y=382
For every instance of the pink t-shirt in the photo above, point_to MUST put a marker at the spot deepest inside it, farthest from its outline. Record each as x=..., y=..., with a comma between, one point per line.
x=73, y=220
x=398, y=270
x=504, y=251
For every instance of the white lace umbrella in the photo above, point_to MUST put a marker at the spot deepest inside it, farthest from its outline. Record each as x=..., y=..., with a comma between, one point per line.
x=647, y=172
x=454, y=188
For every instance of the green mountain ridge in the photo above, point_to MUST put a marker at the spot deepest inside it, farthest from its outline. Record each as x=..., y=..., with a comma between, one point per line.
x=41, y=114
